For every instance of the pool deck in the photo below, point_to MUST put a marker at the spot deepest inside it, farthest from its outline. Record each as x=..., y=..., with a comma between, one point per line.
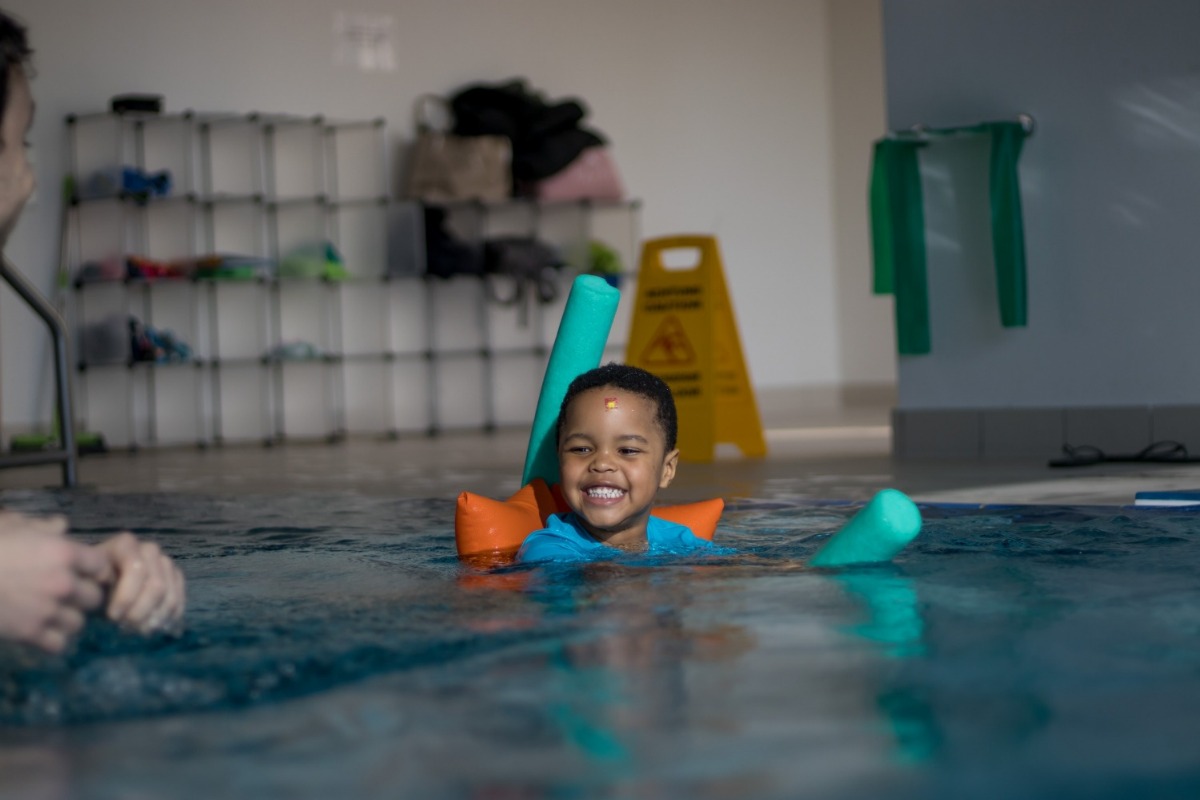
x=833, y=454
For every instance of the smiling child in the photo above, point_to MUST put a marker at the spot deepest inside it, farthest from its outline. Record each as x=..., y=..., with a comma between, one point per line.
x=616, y=450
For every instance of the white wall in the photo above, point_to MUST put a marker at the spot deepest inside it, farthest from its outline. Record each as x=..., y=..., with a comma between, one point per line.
x=1109, y=190
x=719, y=113
x=865, y=326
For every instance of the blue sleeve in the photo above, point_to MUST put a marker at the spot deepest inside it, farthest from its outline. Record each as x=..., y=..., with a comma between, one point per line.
x=668, y=537
x=545, y=545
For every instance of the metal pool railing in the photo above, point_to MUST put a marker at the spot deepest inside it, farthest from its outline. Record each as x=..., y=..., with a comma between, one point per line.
x=65, y=453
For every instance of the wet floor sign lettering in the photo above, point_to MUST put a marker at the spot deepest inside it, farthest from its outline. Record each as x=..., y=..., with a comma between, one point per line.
x=684, y=332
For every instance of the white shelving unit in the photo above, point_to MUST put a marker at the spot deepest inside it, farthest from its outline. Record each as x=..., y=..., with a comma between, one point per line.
x=391, y=350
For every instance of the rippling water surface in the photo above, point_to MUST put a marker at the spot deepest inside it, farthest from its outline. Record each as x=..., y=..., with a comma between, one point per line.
x=336, y=648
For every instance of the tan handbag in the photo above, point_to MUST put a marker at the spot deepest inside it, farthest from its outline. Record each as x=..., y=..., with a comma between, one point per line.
x=445, y=167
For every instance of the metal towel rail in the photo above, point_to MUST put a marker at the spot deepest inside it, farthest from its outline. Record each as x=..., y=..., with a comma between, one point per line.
x=67, y=454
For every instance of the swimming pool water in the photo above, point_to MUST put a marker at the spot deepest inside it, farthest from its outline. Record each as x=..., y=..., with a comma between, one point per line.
x=336, y=648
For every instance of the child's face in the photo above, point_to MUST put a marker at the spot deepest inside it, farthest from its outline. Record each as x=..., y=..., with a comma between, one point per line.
x=613, y=460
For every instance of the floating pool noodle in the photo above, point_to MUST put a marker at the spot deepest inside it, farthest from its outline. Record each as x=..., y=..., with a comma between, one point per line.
x=876, y=533
x=578, y=347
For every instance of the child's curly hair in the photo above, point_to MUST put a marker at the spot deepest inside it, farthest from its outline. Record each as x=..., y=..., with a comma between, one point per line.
x=630, y=379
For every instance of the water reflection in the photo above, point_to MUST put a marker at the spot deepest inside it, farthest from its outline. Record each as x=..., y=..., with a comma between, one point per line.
x=892, y=616
x=933, y=719
x=892, y=620
x=622, y=687
x=616, y=683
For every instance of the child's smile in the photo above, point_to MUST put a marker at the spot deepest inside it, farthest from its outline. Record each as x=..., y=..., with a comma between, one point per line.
x=613, y=459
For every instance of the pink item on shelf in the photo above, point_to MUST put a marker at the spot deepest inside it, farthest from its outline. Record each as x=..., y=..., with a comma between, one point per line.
x=591, y=176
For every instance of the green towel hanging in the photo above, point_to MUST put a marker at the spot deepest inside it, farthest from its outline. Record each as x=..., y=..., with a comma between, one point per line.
x=898, y=240
x=898, y=227
x=1008, y=237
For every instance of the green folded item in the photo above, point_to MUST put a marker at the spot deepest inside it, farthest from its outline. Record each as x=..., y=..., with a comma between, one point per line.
x=233, y=268
x=318, y=260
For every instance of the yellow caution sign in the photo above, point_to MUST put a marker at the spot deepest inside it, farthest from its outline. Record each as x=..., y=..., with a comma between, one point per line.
x=684, y=332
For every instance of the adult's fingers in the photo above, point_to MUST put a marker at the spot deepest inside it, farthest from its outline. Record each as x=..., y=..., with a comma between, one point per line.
x=176, y=599
x=57, y=630
x=149, y=593
x=161, y=603
x=69, y=621
x=86, y=594
x=122, y=551
x=93, y=563
x=152, y=603
x=52, y=640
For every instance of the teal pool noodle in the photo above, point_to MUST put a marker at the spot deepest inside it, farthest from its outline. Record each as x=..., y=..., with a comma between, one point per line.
x=877, y=532
x=578, y=347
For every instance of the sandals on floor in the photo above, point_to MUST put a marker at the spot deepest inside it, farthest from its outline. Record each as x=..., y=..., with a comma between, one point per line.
x=1164, y=452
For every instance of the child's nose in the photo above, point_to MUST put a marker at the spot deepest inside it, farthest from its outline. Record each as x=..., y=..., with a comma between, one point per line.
x=602, y=462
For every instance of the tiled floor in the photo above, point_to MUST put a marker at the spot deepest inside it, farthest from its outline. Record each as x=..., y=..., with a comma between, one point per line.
x=828, y=455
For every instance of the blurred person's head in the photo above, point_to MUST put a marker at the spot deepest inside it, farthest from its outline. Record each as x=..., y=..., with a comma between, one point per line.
x=16, y=115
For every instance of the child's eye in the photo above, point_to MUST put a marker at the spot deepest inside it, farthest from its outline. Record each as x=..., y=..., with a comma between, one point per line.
x=580, y=450
x=629, y=451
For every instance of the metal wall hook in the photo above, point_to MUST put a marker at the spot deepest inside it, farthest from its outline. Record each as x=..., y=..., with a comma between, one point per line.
x=923, y=132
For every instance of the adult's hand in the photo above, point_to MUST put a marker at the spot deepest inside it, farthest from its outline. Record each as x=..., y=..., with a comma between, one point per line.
x=148, y=589
x=48, y=583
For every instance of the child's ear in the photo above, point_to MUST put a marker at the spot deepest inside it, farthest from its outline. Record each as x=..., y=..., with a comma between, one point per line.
x=668, y=469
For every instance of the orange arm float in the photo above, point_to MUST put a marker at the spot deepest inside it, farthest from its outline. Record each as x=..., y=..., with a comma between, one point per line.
x=488, y=533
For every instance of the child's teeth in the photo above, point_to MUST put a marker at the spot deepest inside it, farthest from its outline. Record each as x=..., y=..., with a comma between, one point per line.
x=605, y=493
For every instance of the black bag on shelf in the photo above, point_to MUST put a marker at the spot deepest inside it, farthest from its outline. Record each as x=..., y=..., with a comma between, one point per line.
x=445, y=254
x=532, y=267
x=546, y=137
